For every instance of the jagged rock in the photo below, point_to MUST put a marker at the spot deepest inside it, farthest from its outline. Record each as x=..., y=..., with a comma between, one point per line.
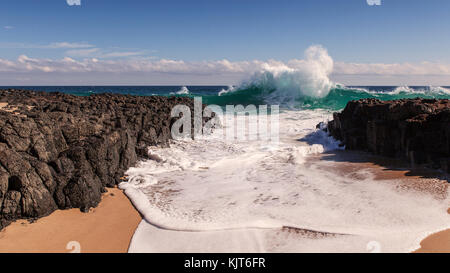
x=60, y=151
x=415, y=129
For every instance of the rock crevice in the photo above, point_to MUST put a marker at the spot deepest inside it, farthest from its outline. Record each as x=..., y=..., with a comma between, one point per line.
x=60, y=151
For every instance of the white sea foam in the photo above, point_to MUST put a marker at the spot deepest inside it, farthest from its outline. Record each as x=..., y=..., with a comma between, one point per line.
x=210, y=195
x=229, y=89
x=283, y=83
x=183, y=91
x=426, y=90
x=404, y=89
x=308, y=77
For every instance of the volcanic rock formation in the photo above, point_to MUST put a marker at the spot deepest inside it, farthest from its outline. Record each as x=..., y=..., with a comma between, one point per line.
x=414, y=129
x=60, y=151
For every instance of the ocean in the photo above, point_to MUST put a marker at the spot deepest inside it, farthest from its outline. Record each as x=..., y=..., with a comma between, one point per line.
x=263, y=92
x=210, y=194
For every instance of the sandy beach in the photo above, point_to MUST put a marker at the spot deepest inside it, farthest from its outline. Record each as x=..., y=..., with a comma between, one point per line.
x=107, y=228
x=386, y=169
x=436, y=243
x=110, y=227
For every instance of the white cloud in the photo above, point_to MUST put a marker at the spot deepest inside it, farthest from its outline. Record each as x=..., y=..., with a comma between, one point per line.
x=68, y=45
x=8, y=27
x=77, y=49
x=82, y=52
x=424, y=68
x=94, y=62
x=101, y=53
x=55, y=45
x=120, y=54
x=147, y=65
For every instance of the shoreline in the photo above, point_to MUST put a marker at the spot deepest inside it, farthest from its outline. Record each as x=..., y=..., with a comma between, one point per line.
x=435, y=243
x=110, y=226
x=418, y=179
x=103, y=230
x=107, y=228
x=438, y=242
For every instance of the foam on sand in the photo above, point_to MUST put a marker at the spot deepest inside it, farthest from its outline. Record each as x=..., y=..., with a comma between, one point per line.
x=210, y=195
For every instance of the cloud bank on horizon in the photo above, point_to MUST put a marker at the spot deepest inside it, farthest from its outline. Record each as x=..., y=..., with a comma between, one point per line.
x=135, y=69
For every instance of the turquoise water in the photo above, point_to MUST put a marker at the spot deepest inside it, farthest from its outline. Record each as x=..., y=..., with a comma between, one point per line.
x=336, y=99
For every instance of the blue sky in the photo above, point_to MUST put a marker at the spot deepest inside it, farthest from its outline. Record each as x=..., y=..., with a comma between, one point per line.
x=397, y=32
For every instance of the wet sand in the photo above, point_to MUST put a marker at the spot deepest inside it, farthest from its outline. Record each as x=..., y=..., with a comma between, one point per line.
x=107, y=228
x=110, y=226
x=436, y=243
x=385, y=169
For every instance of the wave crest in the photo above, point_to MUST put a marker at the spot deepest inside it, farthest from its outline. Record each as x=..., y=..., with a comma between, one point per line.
x=306, y=84
x=281, y=83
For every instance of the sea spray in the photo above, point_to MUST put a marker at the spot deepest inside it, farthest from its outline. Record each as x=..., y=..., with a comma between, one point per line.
x=183, y=91
x=280, y=83
x=305, y=84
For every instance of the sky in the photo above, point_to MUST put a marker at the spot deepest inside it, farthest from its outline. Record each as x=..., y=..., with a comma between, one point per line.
x=186, y=42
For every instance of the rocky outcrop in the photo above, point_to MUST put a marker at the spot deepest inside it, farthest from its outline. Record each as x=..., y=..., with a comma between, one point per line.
x=59, y=151
x=415, y=129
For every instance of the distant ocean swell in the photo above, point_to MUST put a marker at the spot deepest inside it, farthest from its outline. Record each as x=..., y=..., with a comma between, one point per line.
x=288, y=96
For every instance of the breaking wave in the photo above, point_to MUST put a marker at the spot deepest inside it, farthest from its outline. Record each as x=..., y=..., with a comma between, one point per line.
x=305, y=84
x=335, y=99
